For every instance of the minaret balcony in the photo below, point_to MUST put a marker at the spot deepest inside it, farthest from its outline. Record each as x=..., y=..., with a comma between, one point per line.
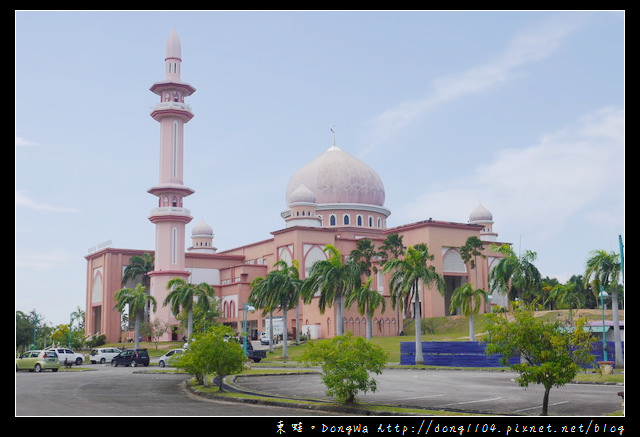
x=179, y=109
x=170, y=213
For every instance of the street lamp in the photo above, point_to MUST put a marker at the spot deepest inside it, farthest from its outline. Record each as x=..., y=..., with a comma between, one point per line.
x=603, y=294
x=245, y=344
x=70, y=323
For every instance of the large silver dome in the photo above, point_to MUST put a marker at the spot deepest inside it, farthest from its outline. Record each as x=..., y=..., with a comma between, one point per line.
x=335, y=176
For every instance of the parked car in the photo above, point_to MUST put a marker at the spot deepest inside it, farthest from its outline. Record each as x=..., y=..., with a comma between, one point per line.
x=165, y=360
x=252, y=354
x=264, y=339
x=103, y=355
x=37, y=361
x=65, y=354
x=131, y=357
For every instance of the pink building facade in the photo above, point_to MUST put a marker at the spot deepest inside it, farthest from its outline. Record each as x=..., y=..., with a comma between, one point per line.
x=335, y=199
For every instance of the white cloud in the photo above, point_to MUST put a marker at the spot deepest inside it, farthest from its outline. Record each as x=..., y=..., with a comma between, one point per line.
x=44, y=260
x=531, y=45
x=21, y=142
x=24, y=201
x=538, y=188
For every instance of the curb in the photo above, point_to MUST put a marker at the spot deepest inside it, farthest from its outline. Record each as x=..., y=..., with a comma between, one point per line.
x=299, y=403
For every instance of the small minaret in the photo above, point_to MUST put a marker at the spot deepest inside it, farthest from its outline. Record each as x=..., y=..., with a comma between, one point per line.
x=202, y=239
x=170, y=216
x=482, y=216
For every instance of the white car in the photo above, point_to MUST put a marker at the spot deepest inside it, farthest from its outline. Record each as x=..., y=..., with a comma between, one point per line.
x=165, y=360
x=65, y=354
x=103, y=355
x=264, y=339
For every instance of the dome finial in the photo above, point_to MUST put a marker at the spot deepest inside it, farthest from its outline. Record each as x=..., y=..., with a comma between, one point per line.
x=334, y=133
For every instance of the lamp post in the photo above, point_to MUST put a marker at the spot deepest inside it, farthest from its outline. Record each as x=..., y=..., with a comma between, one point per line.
x=70, y=323
x=245, y=344
x=603, y=294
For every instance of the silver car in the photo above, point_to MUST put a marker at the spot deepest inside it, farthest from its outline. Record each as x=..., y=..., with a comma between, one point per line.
x=166, y=358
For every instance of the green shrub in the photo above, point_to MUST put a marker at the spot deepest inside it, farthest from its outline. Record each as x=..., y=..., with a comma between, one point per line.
x=210, y=354
x=346, y=362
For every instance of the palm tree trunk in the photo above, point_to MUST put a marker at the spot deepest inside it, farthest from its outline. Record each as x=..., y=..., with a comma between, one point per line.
x=298, y=322
x=417, y=325
x=136, y=331
x=271, y=331
x=616, y=327
x=284, y=335
x=339, y=316
x=189, y=324
x=472, y=329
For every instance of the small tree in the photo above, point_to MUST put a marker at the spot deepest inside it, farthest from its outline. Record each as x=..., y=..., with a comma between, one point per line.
x=346, y=362
x=552, y=353
x=210, y=353
x=155, y=330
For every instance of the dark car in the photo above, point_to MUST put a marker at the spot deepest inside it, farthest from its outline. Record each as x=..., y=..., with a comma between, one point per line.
x=131, y=357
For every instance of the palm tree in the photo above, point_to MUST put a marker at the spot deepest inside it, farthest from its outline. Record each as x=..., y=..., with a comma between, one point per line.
x=79, y=315
x=139, y=266
x=137, y=300
x=408, y=272
x=468, y=300
x=333, y=279
x=368, y=301
x=568, y=295
x=365, y=255
x=392, y=247
x=470, y=251
x=602, y=272
x=185, y=296
x=515, y=275
x=280, y=289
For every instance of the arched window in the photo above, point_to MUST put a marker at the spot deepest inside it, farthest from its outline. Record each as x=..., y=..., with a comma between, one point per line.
x=345, y=219
x=332, y=220
x=359, y=220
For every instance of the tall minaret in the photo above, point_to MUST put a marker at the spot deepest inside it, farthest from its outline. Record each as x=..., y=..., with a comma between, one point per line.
x=170, y=217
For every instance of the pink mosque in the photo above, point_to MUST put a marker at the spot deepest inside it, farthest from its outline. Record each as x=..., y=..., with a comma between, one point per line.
x=335, y=199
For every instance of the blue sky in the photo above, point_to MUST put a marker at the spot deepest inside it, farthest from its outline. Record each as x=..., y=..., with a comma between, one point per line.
x=522, y=111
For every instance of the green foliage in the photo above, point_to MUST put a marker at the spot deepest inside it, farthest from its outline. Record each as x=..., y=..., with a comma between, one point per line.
x=516, y=275
x=209, y=353
x=552, y=352
x=346, y=362
x=96, y=340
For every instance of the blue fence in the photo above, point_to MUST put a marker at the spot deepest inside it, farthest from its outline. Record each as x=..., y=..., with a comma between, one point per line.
x=471, y=354
x=597, y=350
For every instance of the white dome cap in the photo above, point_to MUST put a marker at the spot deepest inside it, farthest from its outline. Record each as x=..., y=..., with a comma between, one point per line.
x=201, y=229
x=335, y=176
x=480, y=213
x=302, y=194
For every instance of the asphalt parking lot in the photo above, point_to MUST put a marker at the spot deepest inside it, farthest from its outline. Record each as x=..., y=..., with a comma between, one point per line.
x=474, y=392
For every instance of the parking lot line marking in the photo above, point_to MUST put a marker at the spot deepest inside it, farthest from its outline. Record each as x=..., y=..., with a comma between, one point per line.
x=421, y=397
x=533, y=408
x=471, y=402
